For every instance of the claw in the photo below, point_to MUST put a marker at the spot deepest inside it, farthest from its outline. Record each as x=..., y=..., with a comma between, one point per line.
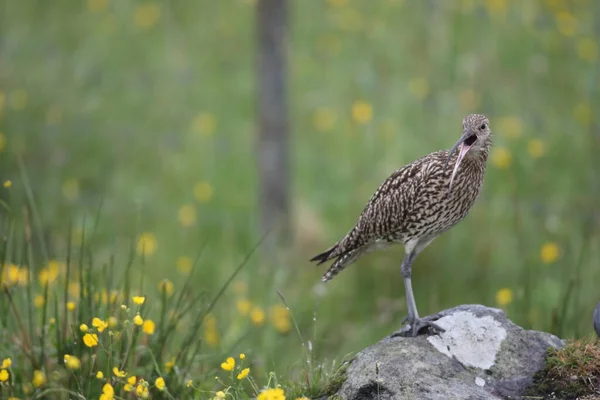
x=415, y=325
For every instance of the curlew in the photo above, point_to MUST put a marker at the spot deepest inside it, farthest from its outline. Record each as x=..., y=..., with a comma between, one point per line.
x=416, y=204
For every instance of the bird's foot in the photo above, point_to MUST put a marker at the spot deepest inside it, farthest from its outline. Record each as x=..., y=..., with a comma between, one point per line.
x=416, y=326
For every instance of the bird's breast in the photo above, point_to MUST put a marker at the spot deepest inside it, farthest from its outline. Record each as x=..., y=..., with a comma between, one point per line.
x=436, y=210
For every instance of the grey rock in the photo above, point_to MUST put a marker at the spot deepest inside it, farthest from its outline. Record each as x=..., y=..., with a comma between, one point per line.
x=481, y=355
x=597, y=319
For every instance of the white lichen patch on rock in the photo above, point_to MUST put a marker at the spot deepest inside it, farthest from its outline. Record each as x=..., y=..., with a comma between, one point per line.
x=473, y=341
x=480, y=382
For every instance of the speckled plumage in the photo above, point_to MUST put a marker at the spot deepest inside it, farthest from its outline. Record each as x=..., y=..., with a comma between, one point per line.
x=415, y=204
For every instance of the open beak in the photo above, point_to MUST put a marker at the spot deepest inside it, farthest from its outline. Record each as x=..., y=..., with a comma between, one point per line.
x=463, y=145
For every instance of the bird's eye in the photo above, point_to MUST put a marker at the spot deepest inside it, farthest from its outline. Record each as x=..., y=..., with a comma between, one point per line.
x=482, y=127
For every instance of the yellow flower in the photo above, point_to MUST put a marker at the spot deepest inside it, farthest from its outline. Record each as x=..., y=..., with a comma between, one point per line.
x=99, y=375
x=23, y=276
x=219, y=395
x=146, y=15
x=501, y=157
x=280, y=318
x=511, y=127
x=128, y=387
x=118, y=373
x=504, y=297
x=166, y=286
x=52, y=321
x=112, y=322
x=142, y=389
x=566, y=23
x=99, y=324
x=12, y=274
x=70, y=189
x=587, y=49
x=242, y=356
x=3, y=375
x=324, y=119
x=18, y=99
x=160, y=383
x=257, y=315
x=49, y=274
x=139, y=300
x=203, y=192
x=39, y=378
x=549, y=252
x=184, y=265
x=73, y=289
x=90, y=339
x=244, y=306
x=272, y=394
x=229, y=364
x=169, y=365
x=38, y=301
x=7, y=183
x=148, y=327
x=108, y=391
x=70, y=305
x=419, y=87
x=97, y=5
x=244, y=373
x=138, y=320
x=72, y=362
x=496, y=7
x=146, y=244
x=187, y=215
x=83, y=328
x=204, y=124
x=6, y=363
x=535, y=147
x=211, y=334
x=189, y=383
x=362, y=112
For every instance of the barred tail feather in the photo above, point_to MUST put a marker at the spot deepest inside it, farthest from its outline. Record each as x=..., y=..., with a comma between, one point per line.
x=325, y=256
x=342, y=262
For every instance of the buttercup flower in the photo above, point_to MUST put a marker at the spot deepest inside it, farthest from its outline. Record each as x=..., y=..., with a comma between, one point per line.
x=229, y=364
x=244, y=373
x=90, y=339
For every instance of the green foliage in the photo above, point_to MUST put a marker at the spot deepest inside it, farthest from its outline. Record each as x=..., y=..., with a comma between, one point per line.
x=570, y=372
x=134, y=122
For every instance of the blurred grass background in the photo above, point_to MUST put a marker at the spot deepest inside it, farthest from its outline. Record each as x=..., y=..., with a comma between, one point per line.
x=143, y=112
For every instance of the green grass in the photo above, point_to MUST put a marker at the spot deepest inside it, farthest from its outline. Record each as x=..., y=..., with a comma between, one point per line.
x=119, y=125
x=570, y=372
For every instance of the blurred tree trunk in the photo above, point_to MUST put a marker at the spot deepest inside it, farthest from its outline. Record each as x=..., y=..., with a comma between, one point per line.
x=272, y=150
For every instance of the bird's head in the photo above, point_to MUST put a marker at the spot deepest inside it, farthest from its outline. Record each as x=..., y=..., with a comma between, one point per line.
x=474, y=139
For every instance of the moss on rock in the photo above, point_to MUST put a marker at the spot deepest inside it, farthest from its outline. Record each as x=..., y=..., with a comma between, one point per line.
x=572, y=372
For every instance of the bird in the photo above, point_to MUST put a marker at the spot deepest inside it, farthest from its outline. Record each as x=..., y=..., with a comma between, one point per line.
x=416, y=204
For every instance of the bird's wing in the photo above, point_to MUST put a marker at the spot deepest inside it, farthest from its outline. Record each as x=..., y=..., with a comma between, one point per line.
x=387, y=210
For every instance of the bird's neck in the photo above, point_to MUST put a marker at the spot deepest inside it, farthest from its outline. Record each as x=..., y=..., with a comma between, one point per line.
x=480, y=152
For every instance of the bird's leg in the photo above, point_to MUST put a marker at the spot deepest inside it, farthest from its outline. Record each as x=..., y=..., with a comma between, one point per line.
x=416, y=323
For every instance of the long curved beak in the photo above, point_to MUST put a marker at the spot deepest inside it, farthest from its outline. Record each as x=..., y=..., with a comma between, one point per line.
x=463, y=149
